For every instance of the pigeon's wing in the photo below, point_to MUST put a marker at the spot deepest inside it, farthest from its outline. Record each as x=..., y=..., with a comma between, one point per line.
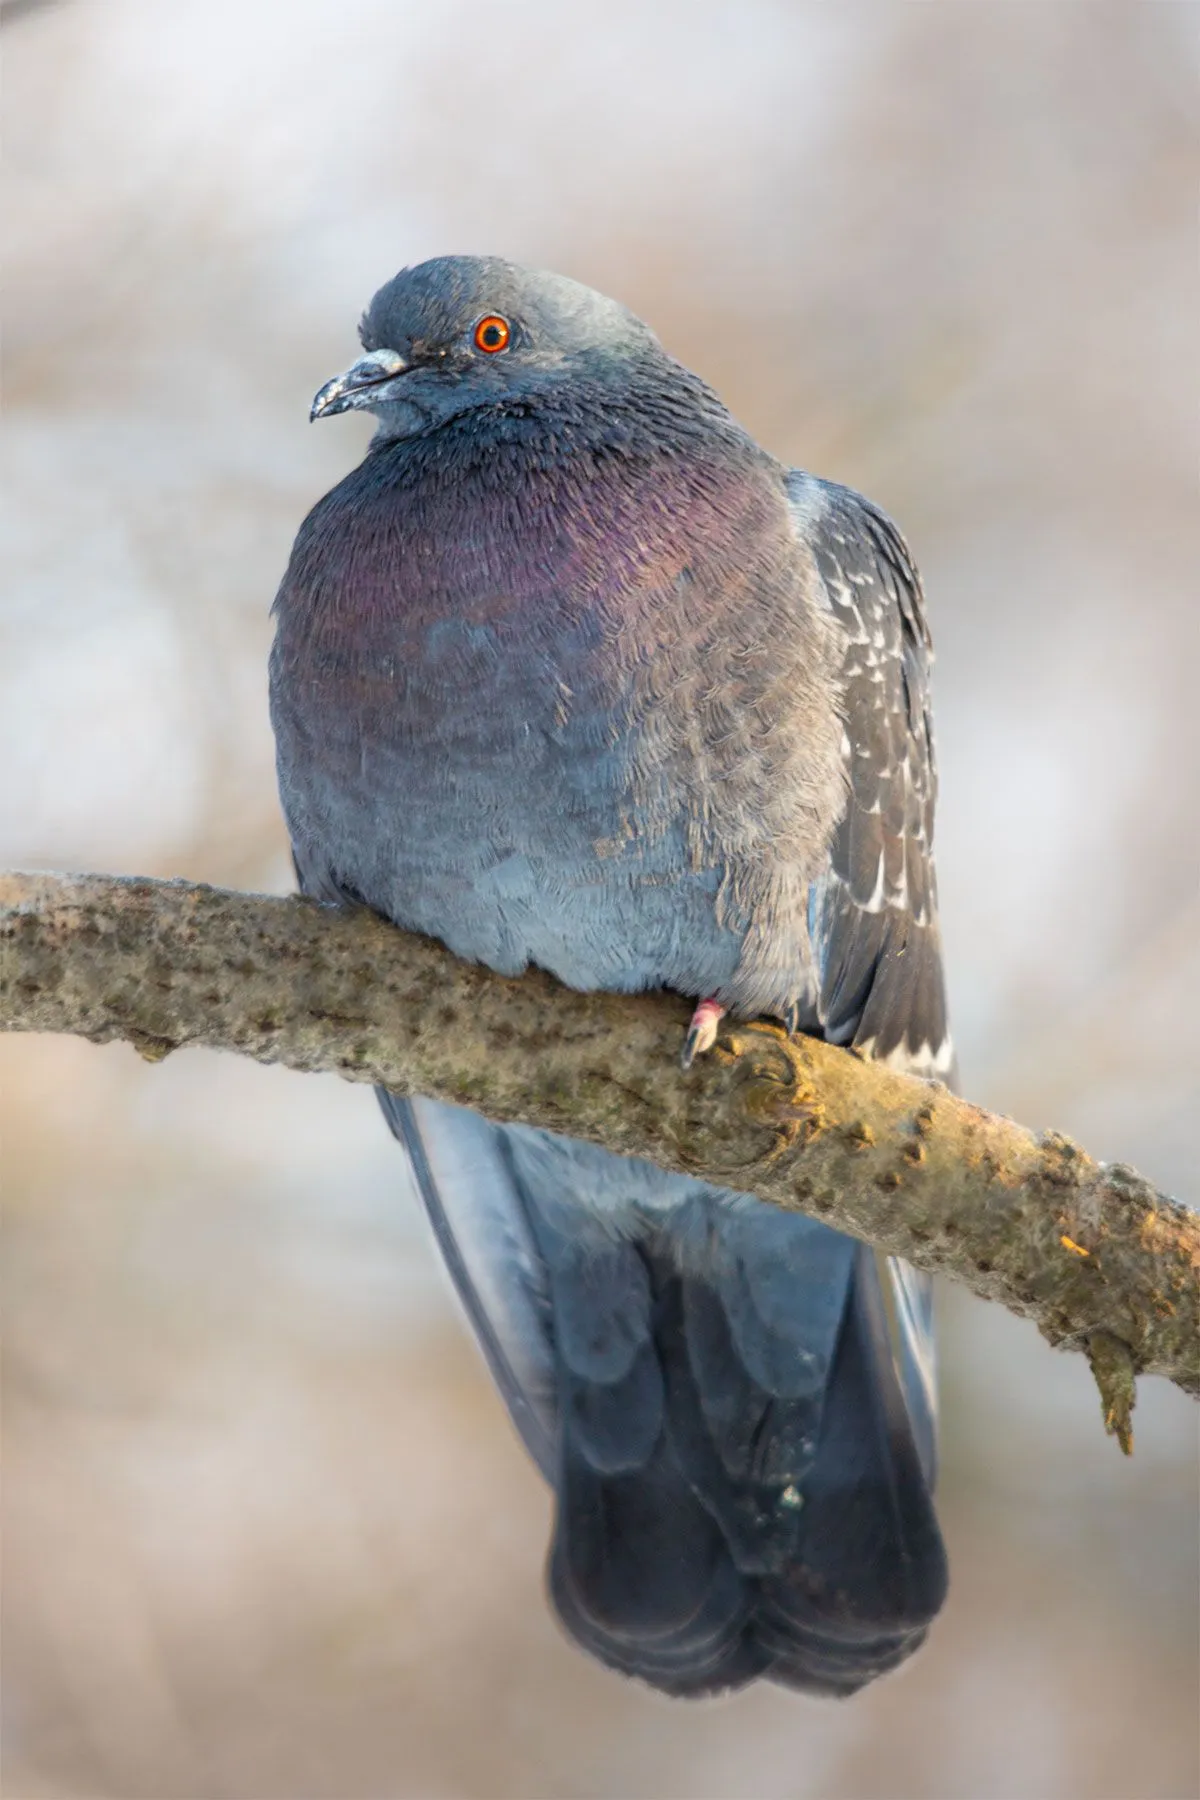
x=464, y=1176
x=874, y=914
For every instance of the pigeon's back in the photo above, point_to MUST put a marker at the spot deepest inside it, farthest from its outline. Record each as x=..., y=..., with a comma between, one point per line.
x=586, y=682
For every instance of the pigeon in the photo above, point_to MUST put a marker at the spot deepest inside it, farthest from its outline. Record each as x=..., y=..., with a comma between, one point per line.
x=570, y=672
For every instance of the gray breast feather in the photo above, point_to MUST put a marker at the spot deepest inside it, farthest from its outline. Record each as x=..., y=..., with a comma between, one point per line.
x=623, y=768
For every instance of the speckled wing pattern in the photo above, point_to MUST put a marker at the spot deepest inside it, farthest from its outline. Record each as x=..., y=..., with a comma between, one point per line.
x=873, y=917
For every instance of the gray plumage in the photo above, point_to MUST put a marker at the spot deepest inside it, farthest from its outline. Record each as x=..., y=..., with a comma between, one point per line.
x=570, y=672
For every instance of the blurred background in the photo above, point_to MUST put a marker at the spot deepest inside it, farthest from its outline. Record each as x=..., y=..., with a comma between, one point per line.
x=268, y=1533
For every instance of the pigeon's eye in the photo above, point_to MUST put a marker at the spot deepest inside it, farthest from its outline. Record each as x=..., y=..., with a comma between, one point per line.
x=492, y=333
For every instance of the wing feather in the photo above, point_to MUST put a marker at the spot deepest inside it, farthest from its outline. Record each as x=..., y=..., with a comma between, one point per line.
x=876, y=933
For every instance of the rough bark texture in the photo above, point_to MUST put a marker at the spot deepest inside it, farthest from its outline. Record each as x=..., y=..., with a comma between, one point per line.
x=1092, y=1253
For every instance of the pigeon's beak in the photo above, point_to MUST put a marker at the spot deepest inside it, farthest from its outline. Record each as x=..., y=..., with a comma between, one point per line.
x=359, y=385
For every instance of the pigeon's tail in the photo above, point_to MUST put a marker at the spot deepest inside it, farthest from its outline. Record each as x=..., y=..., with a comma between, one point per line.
x=734, y=1405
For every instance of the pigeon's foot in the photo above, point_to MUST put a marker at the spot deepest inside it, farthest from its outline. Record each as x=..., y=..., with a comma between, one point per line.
x=702, y=1032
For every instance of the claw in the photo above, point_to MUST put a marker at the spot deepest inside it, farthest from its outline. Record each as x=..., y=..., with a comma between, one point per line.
x=702, y=1032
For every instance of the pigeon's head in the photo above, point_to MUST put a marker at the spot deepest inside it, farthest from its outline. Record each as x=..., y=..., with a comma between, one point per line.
x=461, y=332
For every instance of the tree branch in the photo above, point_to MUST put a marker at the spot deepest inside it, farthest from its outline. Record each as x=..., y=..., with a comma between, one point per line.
x=1092, y=1253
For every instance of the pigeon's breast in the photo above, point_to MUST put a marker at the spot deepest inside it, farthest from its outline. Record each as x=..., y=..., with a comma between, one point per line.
x=531, y=718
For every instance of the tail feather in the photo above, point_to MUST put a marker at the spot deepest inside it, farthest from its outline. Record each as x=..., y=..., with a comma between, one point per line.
x=873, y=1570
x=737, y=1442
x=741, y=1453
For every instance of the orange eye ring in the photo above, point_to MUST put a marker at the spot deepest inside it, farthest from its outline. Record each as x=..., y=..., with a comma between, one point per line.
x=492, y=334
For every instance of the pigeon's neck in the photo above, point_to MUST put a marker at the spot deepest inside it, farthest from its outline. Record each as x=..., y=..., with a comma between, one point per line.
x=652, y=409
x=533, y=518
